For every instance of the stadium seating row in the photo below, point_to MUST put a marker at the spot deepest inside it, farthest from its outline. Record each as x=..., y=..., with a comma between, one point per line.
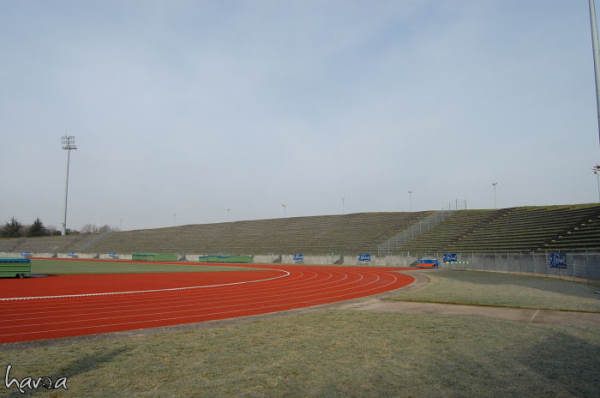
x=521, y=229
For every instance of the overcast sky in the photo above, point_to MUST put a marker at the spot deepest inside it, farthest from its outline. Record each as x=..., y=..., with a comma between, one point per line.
x=182, y=110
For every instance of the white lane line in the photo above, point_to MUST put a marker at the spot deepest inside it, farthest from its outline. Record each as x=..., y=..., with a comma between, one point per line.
x=286, y=274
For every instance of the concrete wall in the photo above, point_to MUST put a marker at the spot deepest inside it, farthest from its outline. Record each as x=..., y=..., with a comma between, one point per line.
x=389, y=261
x=9, y=254
x=579, y=265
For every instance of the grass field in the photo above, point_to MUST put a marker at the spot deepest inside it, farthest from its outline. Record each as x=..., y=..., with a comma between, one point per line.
x=52, y=267
x=326, y=354
x=505, y=290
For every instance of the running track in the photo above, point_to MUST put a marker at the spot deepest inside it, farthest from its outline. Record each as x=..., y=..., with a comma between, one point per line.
x=75, y=305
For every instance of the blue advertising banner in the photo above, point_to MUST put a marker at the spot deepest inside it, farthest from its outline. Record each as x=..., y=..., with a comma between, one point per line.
x=298, y=258
x=364, y=258
x=450, y=257
x=558, y=260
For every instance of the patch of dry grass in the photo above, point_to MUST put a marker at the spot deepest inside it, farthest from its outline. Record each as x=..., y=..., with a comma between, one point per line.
x=504, y=290
x=325, y=354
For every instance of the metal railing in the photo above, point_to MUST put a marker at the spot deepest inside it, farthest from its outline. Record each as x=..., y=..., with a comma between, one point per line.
x=412, y=232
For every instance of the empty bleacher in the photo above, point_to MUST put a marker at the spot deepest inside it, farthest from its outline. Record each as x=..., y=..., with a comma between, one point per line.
x=520, y=229
x=525, y=229
x=583, y=237
x=44, y=244
x=444, y=235
x=351, y=233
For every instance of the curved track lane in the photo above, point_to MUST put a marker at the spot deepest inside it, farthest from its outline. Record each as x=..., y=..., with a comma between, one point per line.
x=74, y=305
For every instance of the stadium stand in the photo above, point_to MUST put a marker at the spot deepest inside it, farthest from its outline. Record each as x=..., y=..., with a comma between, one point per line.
x=520, y=229
x=45, y=244
x=526, y=229
x=350, y=233
x=585, y=236
x=456, y=226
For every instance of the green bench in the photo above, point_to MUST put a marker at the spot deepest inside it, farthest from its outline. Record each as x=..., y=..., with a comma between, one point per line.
x=15, y=267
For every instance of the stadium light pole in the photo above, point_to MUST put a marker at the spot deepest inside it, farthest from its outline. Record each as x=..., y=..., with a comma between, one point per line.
x=596, y=171
x=494, y=185
x=410, y=200
x=343, y=205
x=596, y=51
x=68, y=144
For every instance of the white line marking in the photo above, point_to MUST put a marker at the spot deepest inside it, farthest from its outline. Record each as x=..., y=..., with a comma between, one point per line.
x=286, y=274
x=534, y=315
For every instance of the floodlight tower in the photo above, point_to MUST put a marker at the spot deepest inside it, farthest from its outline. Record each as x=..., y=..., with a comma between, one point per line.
x=68, y=142
x=494, y=185
x=596, y=51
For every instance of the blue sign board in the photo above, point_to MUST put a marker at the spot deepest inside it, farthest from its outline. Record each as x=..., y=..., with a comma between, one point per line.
x=364, y=258
x=558, y=260
x=450, y=257
x=26, y=254
x=113, y=255
x=298, y=258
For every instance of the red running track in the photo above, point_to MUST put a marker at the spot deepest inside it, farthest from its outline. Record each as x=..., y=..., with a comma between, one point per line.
x=75, y=305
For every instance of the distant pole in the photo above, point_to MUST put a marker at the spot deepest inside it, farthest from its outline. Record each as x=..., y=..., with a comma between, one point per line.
x=68, y=142
x=343, y=209
x=283, y=205
x=228, y=210
x=596, y=51
x=494, y=185
x=596, y=171
x=410, y=200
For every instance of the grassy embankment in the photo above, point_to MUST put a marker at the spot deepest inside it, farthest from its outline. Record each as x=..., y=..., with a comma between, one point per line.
x=504, y=290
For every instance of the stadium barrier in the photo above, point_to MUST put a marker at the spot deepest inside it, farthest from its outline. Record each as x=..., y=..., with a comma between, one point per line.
x=154, y=257
x=225, y=259
x=580, y=265
x=577, y=265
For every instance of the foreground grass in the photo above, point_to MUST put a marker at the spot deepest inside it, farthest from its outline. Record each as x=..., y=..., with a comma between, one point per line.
x=96, y=267
x=497, y=289
x=325, y=354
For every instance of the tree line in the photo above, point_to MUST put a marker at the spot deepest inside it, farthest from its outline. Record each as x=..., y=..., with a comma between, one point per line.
x=14, y=229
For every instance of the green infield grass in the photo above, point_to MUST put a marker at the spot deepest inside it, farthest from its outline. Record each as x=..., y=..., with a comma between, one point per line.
x=504, y=290
x=53, y=267
x=333, y=353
